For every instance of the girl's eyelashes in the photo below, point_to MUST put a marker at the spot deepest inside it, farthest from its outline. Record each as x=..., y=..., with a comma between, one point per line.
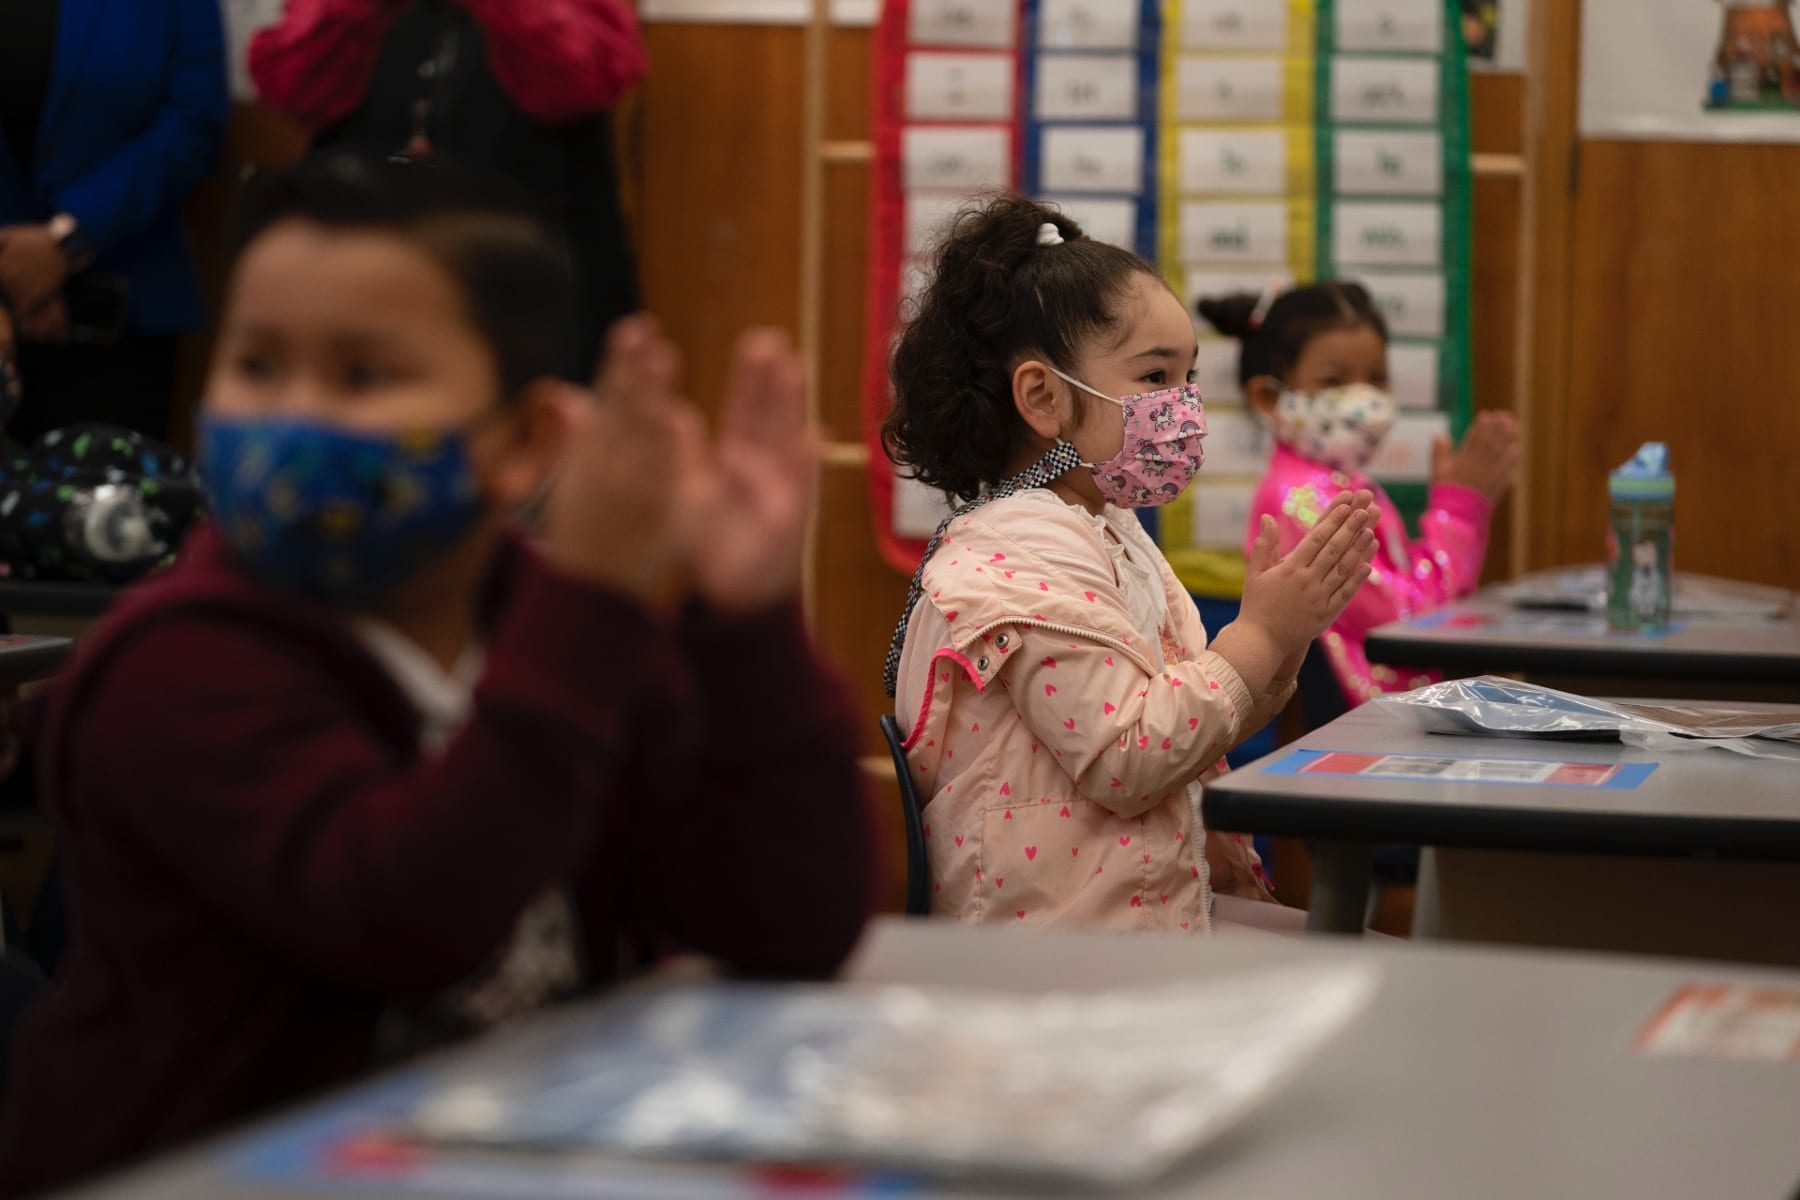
x=1159, y=377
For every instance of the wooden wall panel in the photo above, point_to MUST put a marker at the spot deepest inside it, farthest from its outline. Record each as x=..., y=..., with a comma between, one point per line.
x=1681, y=330
x=721, y=187
x=1657, y=311
x=1546, y=252
x=720, y=242
x=1495, y=112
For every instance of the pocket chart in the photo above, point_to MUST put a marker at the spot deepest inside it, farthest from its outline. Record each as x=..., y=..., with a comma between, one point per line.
x=1221, y=513
x=1250, y=232
x=1412, y=301
x=1399, y=234
x=1245, y=161
x=1379, y=91
x=1108, y=158
x=1413, y=371
x=935, y=158
x=1229, y=89
x=1234, y=24
x=989, y=24
x=1088, y=25
x=1086, y=87
x=1389, y=163
x=1390, y=26
x=1216, y=374
x=1236, y=444
x=1405, y=456
x=1239, y=145
x=928, y=215
x=959, y=87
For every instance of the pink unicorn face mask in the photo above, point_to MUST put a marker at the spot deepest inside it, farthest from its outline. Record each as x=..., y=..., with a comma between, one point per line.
x=1161, y=453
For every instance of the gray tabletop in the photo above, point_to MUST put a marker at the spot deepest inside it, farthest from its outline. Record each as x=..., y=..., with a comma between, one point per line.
x=1693, y=803
x=1487, y=633
x=26, y=659
x=1474, y=1074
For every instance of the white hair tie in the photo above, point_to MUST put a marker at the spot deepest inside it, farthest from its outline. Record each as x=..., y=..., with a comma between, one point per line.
x=1270, y=293
x=1049, y=234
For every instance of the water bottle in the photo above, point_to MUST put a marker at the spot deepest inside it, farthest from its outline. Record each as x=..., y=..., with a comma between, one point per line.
x=1640, y=541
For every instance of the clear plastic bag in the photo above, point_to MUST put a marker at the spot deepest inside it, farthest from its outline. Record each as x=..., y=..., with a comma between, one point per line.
x=1107, y=1089
x=1496, y=707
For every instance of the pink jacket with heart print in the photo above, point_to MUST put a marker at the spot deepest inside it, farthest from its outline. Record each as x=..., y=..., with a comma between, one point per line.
x=1055, y=754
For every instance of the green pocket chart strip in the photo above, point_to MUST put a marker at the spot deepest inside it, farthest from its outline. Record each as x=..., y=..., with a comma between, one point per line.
x=1302, y=140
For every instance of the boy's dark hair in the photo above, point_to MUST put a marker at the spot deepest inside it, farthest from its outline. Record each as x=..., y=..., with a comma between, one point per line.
x=514, y=274
x=1274, y=344
x=996, y=297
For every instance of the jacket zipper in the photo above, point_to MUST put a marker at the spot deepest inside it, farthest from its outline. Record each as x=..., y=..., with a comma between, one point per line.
x=1070, y=630
x=1206, y=916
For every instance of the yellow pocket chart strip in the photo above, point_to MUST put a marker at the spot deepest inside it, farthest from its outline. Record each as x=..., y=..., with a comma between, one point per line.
x=1238, y=188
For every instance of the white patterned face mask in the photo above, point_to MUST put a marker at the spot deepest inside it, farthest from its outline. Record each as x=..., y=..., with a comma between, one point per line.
x=1341, y=427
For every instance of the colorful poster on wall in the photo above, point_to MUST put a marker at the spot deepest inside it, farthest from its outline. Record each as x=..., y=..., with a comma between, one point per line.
x=1690, y=70
x=1494, y=32
x=1481, y=29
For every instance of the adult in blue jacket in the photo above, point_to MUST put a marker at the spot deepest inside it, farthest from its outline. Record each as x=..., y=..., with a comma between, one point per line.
x=111, y=113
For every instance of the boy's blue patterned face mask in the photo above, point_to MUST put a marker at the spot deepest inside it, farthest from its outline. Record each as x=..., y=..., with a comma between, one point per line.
x=337, y=516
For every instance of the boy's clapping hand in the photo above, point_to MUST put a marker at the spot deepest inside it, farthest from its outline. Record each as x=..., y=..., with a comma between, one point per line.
x=743, y=512
x=610, y=518
x=644, y=492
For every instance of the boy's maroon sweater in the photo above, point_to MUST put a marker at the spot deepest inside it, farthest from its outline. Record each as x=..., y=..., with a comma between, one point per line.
x=259, y=863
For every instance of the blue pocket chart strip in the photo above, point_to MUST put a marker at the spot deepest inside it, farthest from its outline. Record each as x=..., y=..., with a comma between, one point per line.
x=1089, y=106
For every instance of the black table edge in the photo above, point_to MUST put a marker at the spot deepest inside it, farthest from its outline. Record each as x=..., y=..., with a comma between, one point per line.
x=1425, y=654
x=1482, y=828
x=31, y=598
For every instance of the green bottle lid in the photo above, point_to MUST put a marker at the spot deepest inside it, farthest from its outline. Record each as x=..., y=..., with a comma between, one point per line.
x=1645, y=476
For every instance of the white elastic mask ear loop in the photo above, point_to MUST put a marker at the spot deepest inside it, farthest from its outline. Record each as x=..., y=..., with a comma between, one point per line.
x=1090, y=391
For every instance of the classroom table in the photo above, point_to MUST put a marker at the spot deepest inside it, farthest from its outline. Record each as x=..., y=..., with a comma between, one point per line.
x=37, y=598
x=1475, y=1074
x=26, y=659
x=1372, y=776
x=1739, y=658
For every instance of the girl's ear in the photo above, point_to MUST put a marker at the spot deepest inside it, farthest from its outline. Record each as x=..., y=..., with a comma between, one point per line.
x=1261, y=394
x=1034, y=396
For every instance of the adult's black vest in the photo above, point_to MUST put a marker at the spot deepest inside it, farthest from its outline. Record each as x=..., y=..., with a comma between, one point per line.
x=432, y=78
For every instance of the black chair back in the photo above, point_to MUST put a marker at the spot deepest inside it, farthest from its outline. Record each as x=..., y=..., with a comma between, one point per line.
x=912, y=812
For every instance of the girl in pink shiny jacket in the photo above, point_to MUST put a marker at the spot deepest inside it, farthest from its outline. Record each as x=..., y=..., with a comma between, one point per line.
x=1314, y=371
